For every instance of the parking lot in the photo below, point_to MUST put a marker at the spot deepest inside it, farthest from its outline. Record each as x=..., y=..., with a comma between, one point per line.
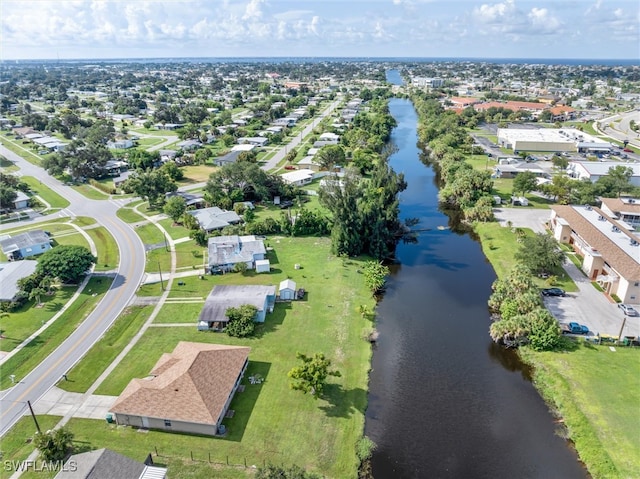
x=588, y=306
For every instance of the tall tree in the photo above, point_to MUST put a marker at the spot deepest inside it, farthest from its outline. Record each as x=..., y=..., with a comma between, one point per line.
x=69, y=263
x=524, y=182
x=540, y=253
x=174, y=208
x=150, y=185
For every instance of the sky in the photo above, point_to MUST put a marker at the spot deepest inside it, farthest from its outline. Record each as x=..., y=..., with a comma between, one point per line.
x=585, y=29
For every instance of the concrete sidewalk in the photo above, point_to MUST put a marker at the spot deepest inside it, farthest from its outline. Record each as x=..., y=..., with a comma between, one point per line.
x=58, y=402
x=150, y=278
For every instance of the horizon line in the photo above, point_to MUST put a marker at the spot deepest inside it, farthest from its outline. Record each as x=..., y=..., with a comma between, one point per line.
x=366, y=57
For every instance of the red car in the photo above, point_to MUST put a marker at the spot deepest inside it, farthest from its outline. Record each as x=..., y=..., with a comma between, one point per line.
x=289, y=167
x=628, y=150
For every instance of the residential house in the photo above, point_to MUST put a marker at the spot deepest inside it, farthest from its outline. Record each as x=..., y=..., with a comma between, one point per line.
x=189, y=145
x=308, y=163
x=21, y=201
x=121, y=144
x=287, y=290
x=191, y=200
x=609, y=248
x=213, y=316
x=258, y=141
x=10, y=274
x=214, y=218
x=25, y=244
x=298, y=177
x=107, y=464
x=329, y=136
x=189, y=390
x=227, y=251
x=513, y=170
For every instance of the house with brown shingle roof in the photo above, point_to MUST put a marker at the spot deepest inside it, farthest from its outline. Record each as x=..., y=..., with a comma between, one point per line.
x=624, y=209
x=610, y=249
x=189, y=390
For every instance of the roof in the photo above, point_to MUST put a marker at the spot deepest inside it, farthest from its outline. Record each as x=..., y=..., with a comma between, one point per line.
x=190, y=384
x=24, y=240
x=214, y=218
x=10, y=273
x=287, y=284
x=223, y=297
x=630, y=206
x=600, y=168
x=622, y=257
x=297, y=175
x=224, y=250
x=104, y=464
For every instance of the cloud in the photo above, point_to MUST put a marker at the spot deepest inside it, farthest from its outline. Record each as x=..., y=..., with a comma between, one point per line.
x=508, y=18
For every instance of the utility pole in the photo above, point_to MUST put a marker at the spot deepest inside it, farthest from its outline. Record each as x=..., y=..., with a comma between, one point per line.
x=160, y=270
x=34, y=417
x=624, y=321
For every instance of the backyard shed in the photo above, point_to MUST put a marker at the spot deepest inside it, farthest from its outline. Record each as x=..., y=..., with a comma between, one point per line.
x=287, y=290
x=263, y=266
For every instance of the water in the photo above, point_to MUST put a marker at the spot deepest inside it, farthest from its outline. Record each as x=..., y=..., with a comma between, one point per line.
x=444, y=401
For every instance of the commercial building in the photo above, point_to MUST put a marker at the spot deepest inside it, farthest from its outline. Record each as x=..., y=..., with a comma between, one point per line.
x=594, y=170
x=550, y=140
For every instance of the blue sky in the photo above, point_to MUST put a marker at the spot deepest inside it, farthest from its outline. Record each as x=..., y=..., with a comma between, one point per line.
x=380, y=28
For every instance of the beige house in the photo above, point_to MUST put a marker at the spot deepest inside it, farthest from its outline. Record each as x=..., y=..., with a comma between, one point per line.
x=610, y=248
x=625, y=209
x=188, y=390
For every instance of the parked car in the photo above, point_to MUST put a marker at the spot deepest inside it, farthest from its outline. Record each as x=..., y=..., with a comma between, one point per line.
x=553, y=292
x=574, y=328
x=628, y=310
x=628, y=150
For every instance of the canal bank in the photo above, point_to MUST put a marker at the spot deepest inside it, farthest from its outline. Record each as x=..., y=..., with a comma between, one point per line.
x=444, y=401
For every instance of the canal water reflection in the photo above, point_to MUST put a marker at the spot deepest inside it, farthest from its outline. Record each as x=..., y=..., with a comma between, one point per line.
x=444, y=401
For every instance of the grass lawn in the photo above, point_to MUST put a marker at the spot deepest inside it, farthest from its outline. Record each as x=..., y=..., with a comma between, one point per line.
x=149, y=234
x=46, y=193
x=108, y=254
x=19, y=325
x=38, y=349
x=83, y=374
x=17, y=445
x=147, y=142
x=188, y=255
x=7, y=166
x=597, y=393
x=179, y=312
x=196, y=173
x=499, y=245
x=317, y=434
x=90, y=192
x=128, y=215
x=175, y=230
x=19, y=149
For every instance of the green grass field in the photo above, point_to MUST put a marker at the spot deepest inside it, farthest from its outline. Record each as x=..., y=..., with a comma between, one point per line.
x=7, y=166
x=90, y=192
x=318, y=434
x=176, y=231
x=46, y=193
x=597, y=393
x=38, y=349
x=17, y=443
x=129, y=215
x=188, y=256
x=20, y=149
x=499, y=245
x=108, y=254
x=84, y=374
x=19, y=325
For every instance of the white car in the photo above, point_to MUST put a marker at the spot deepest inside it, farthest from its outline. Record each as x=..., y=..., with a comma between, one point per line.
x=628, y=310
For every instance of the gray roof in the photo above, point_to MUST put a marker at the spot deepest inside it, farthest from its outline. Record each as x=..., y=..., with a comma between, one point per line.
x=234, y=249
x=223, y=297
x=214, y=218
x=102, y=464
x=190, y=199
x=24, y=240
x=10, y=273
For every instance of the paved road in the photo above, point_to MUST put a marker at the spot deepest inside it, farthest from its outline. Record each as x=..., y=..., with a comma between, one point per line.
x=280, y=154
x=587, y=306
x=126, y=282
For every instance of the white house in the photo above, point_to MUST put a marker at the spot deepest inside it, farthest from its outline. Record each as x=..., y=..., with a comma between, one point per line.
x=298, y=177
x=227, y=251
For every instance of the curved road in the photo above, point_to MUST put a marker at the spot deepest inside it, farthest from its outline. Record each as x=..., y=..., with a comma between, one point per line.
x=130, y=271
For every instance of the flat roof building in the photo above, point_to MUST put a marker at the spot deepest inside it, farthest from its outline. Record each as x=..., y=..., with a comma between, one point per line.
x=549, y=139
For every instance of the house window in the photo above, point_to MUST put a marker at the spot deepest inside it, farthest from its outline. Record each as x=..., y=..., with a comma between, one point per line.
x=636, y=283
x=167, y=423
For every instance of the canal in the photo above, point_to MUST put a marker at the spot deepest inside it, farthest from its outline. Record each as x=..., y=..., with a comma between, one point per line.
x=444, y=400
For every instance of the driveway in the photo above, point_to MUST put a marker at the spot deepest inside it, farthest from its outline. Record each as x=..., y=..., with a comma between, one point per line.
x=587, y=306
x=58, y=402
